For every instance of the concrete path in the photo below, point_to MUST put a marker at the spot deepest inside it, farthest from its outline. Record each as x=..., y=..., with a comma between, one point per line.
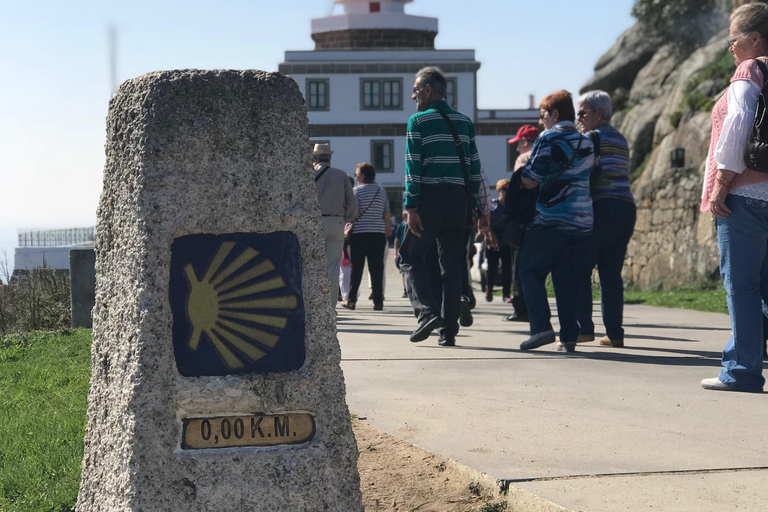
x=603, y=429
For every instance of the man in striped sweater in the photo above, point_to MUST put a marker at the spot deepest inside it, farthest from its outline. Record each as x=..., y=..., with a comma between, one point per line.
x=438, y=200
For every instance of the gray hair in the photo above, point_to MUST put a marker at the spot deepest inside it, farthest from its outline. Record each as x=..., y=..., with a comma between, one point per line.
x=598, y=100
x=752, y=18
x=322, y=158
x=434, y=77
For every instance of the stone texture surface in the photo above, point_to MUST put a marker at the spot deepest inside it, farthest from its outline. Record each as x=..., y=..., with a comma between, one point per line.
x=82, y=277
x=206, y=152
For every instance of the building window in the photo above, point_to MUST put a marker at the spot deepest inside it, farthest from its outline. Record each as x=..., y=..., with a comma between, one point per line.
x=317, y=94
x=450, y=92
x=381, y=94
x=375, y=6
x=382, y=152
x=512, y=155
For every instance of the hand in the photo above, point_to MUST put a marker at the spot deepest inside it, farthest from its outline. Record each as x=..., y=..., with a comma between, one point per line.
x=414, y=222
x=717, y=201
x=490, y=240
x=484, y=222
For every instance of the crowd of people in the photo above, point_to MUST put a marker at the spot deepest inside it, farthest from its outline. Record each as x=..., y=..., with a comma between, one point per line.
x=566, y=210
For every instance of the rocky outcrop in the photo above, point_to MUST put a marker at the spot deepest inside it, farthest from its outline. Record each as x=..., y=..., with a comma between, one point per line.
x=674, y=243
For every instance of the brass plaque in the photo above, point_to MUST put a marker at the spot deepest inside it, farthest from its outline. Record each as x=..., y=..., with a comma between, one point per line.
x=254, y=430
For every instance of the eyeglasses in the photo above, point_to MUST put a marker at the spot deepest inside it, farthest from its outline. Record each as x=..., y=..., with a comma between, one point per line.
x=582, y=113
x=732, y=40
x=416, y=90
x=544, y=114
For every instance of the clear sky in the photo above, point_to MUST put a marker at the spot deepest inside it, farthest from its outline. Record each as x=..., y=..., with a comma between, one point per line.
x=55, y=79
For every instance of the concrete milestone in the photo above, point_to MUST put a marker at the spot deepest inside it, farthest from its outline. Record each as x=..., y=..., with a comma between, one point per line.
x=216, y=383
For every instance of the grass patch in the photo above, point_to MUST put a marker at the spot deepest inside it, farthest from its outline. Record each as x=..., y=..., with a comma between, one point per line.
x=43, y=398
x=710, y=300
x=703, y=297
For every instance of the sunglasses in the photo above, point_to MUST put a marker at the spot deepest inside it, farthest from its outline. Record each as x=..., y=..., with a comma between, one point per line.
x=582, y=113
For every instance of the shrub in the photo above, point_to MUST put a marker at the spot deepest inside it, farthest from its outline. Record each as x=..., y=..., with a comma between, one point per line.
x=675, y=117
x=36, y=300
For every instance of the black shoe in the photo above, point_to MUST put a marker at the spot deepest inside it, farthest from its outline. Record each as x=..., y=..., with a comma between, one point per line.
x=465, y=313
x=541, y=339
x=514, y=317
x=378, y=307
x=446, y=340
x=425, y=328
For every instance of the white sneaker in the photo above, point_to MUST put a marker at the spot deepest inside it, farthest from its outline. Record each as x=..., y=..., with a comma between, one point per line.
x=716, y=384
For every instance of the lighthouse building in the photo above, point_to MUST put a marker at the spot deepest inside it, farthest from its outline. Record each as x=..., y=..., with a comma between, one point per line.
x=357, y=84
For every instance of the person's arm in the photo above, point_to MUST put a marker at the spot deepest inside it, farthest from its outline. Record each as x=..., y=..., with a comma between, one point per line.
x=729, y=151
x=531, y=175
x=413, y=176
x=350, y=201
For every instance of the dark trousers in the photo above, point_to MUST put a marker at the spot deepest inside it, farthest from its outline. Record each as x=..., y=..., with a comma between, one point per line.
x=443, y=212
x=607, y=247
x=368, y=246
x=518, y=298
x=501, y=255
x=558, y=252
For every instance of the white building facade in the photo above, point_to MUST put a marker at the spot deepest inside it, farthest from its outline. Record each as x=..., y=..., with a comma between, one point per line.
x=358, y=82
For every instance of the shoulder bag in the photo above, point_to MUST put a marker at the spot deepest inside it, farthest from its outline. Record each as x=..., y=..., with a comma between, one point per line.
x=462, y=160
x=348, y=227
x=756, y=150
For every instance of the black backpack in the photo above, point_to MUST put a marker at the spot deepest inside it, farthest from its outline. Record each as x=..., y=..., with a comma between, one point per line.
x=756, y=150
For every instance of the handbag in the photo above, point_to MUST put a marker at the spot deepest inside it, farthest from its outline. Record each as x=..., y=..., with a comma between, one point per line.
x=520, y=204
x=350, y=225
x=756, y=150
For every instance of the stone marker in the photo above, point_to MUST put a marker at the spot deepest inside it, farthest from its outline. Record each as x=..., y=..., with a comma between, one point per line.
x=216, y=383
x=82, y=285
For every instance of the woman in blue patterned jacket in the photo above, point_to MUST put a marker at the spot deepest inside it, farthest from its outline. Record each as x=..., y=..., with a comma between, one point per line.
x=560, y=165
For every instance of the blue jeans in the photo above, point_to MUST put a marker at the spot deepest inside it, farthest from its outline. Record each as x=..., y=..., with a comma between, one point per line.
x=560, y=253
x=743, y=240
x=607, y=247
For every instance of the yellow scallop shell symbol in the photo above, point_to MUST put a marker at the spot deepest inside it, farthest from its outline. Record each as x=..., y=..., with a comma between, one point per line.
x=216, y=308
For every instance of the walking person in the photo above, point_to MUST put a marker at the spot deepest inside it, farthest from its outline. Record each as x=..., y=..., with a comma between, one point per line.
x=614, y=212
x=369, y=236
x=500, y=253
x=338, y=206
x=560, y=165
x=523, y=140
x=440, y=191
x=737, y=196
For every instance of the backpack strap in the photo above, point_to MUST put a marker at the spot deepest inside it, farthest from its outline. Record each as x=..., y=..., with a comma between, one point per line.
x=460, y=151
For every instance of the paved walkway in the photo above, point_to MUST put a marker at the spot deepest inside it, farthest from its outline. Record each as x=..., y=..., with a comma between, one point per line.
x=603, y=429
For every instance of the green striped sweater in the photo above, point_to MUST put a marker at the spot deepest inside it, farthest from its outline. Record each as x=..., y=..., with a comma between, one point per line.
x=430, y=153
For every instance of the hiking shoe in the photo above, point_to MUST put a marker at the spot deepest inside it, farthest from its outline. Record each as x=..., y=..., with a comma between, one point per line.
x=425, y=328
x=538, y=340
x=465, y=313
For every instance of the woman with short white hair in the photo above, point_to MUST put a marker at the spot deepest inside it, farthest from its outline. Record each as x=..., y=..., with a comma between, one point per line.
x=614, y=219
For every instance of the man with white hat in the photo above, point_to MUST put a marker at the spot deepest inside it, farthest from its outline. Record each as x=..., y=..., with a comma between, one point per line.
x=338, y=206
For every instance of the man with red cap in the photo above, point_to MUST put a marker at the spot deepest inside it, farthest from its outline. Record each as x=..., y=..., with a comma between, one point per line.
x=524, y=140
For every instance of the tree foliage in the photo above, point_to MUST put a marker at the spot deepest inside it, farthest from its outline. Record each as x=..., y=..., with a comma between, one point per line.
x=686, y=21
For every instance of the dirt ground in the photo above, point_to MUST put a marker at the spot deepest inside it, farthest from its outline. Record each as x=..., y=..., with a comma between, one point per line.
x=398, y=476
